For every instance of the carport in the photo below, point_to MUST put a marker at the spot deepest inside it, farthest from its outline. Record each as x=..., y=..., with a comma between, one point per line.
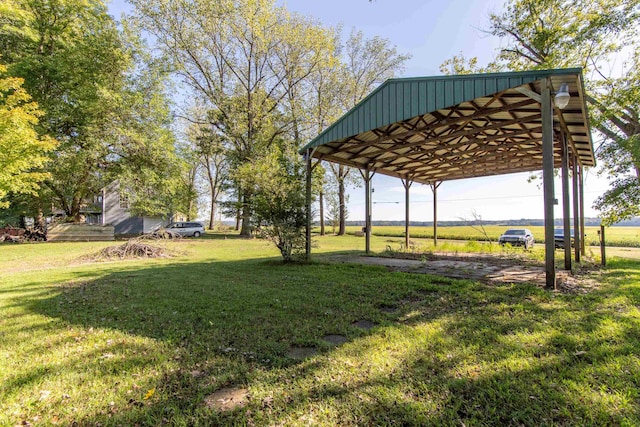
x=434, y=129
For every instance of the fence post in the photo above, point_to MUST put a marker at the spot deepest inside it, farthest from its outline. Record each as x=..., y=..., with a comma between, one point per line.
x=603, y=255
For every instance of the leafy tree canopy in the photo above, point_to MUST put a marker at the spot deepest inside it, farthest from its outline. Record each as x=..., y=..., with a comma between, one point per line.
x=543, y=34
x=22, y=150
x=100, y=100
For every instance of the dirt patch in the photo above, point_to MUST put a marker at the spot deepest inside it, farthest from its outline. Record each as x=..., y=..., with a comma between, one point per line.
x=335, y=339
x=364, y=324
x=227, y=399
x=301, y=353
x=480, y=267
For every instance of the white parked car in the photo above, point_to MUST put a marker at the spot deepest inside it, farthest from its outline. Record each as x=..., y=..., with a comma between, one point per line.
x=186, y=229
x=517, y=237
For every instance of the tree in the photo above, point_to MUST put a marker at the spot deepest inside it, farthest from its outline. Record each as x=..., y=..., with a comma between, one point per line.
x=617, y=117
x=243, y=61
x=103, y=106
x=368, y=63
x=142, y=152
x=544, y=34
x=210, y=151
x=459, y=64
x=334, y=212
x=22, y=151
x=279, y=184
x=68, y=53
x=558, y=33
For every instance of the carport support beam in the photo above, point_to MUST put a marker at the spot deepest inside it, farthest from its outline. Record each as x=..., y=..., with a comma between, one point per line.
x=547, y=179
x=367, y=219
x=434, y=187
x=582, y=239
x=566, y=208
x=576, y=209
x=308, y=191
x=406, y=182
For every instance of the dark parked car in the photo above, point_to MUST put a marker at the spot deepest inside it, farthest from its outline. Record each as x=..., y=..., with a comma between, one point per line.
x=558, y=238
x=517, y=237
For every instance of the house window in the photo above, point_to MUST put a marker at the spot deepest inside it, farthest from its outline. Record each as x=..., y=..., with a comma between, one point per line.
x=124, y=201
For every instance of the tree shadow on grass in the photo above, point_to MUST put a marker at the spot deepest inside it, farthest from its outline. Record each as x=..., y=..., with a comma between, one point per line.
x=218, y=235
x=451, y=351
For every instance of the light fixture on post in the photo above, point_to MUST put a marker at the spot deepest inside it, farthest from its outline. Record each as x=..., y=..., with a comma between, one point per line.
x=562, y=97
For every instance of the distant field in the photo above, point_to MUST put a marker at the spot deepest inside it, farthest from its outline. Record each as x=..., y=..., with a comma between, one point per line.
x=615, y=236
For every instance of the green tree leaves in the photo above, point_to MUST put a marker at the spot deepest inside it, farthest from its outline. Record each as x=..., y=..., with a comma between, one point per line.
x=100, y=98
x=22, y=151
x=593, y=35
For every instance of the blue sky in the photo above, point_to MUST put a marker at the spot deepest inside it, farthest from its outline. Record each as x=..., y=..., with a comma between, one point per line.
x=433, y=31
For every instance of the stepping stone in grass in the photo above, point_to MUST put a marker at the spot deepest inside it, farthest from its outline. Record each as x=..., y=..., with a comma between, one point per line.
x=335, y=339
x=301, y=353
x=388, y=309
x=364, y=324
x=227, y=399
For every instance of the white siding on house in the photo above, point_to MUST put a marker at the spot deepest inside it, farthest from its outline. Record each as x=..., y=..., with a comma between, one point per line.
x=113, y=214
x=151, y=224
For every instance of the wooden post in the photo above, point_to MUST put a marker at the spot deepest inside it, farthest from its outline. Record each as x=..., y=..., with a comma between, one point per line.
x=576, y=209
x=407, y=185
x=434, y=187
x=547, y=179
x=603, y=255
x=308, y=228
x=582, y=239
x=566, y=209
x=321, y=211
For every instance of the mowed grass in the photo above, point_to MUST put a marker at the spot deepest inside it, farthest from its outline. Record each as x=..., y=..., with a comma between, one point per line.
x=147, y=341
x=614, y=236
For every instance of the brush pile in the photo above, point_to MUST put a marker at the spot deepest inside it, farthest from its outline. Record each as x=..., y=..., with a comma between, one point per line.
x=133, y=248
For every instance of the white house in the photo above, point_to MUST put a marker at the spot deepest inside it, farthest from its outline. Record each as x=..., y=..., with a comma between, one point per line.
x=115, y=211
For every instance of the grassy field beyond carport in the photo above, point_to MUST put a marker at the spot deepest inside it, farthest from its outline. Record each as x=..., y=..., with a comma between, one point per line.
x=166, y=341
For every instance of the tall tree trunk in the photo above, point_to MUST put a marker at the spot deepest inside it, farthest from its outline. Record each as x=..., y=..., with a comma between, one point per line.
x=238, y=211
x=212, y=217
x=321, y=201
x=245, y=230
x=212, y=188
x=75, y=208
x=40, y=221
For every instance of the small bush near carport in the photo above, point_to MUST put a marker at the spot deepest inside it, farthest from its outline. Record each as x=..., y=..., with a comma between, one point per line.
x=279, y=201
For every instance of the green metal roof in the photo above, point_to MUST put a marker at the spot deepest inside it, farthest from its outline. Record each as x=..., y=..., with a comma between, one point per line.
x=385, y=118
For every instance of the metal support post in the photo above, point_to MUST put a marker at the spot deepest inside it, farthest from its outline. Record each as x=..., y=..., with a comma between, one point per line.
x=434, y=187
x=406, y=182
x=308, y=228
x=367, y=220
x=576, y=209
x=582, y=239
x=566, y=208
x=547, y=178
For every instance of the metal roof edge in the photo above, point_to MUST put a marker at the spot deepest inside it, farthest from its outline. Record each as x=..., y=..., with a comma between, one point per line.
x=541, y=73
x=531, y=73
x=312, y=144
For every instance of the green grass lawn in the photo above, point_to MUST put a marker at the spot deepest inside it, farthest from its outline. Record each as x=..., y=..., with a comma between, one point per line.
x=147, y=341
x=614, y=236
